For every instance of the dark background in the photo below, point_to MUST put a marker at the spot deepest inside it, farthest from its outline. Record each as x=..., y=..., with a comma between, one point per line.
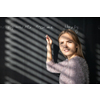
x=24, y=62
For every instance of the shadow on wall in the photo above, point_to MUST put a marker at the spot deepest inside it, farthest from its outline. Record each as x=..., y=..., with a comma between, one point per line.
x=25, y=53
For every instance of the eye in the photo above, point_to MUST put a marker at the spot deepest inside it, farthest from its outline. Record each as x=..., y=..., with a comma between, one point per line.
x=69, y=41
x=61, y=43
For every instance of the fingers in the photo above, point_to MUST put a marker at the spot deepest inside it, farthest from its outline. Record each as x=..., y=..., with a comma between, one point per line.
x=47, y=38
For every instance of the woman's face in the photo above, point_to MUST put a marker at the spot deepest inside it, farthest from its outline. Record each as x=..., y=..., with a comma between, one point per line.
x=67, y=45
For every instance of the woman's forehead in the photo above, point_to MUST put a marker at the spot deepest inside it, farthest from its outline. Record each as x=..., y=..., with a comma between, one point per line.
x=65, y=36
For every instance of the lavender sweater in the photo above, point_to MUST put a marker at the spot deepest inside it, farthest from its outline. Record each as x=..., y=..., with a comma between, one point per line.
x=73, y=71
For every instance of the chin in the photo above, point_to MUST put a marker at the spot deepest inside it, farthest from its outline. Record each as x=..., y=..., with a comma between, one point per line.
x=67, y=54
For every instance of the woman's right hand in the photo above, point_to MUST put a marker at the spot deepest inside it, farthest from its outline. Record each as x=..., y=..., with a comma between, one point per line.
x=49, y=43
x=49, y=50
x=49, y=40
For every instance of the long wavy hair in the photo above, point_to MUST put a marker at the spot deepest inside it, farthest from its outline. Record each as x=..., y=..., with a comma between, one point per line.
x=75, y=39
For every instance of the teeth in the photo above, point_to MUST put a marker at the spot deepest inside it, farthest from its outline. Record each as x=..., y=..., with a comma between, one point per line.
x=65, y=50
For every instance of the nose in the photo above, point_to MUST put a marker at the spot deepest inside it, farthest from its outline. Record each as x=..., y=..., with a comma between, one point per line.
x=65, y=45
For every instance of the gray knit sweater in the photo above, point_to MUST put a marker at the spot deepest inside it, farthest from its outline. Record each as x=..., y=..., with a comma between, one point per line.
x=73, y=71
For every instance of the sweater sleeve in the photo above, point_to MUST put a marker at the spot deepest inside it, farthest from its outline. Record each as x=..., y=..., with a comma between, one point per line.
x=54, y=67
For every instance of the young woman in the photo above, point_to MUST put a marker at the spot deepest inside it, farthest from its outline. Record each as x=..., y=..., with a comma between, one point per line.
x=73, y=70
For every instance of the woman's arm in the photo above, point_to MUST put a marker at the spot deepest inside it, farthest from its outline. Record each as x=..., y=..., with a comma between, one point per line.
x=55, y=67
x=49, y=51
x=50, y=64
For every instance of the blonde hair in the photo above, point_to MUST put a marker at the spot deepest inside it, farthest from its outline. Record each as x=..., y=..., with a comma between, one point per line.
x=75, y=39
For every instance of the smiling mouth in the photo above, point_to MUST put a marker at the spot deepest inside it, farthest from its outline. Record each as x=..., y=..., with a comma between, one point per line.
x=66, y=50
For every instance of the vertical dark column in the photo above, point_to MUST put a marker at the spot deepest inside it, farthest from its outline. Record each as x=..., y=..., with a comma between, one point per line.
x=55, y=52
x=90, y=49
x=2, y=42
x=97, y=48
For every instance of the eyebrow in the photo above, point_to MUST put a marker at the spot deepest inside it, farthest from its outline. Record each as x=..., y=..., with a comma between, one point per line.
x=67, y=41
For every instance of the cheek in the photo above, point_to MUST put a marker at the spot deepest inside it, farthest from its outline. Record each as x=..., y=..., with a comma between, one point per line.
x=60, y=47
x=72, y=46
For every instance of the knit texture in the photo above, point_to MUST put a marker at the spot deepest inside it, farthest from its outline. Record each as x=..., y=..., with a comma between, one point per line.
x=73, y=71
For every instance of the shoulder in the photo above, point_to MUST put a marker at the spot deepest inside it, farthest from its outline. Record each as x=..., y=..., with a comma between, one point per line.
x=64, y=61
x=61, y=62
x=77, y=61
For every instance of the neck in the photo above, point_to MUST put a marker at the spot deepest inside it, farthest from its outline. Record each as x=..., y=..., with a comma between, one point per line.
x=70, y=57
